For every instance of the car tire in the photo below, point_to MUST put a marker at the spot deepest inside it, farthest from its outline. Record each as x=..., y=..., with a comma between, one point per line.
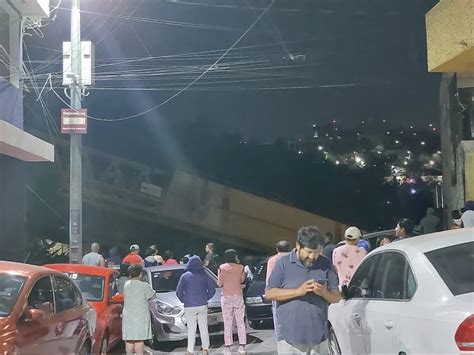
x=333, y=344
x=104, y=347
x=254, y=324
x=153, y=343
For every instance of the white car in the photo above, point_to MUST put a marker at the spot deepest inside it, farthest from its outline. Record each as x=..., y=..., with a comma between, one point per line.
x=414, y=296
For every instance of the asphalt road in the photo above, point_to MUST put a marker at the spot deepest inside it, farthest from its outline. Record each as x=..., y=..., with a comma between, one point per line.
x=259, y=341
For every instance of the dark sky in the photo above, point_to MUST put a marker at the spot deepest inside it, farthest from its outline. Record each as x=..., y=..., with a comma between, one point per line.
x=310, y=61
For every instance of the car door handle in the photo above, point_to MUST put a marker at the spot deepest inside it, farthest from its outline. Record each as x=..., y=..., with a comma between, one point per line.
x=356, y=316
x=389, y=324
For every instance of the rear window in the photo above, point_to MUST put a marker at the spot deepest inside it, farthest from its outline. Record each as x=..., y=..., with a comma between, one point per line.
x=455, y=265
x=167, y=280
x=92, y=287
x=261, y=274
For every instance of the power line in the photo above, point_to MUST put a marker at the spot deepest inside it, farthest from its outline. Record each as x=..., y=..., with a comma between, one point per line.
x=46, y=204
x=195, y=80
x=202, y=4
x=235, y=88
x=157, y=21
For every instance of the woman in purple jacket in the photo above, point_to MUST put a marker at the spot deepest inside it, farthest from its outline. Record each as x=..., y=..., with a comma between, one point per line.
x=194, y=289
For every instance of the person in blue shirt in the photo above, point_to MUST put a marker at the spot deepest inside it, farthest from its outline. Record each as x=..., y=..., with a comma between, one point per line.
x=303, y=283
x=364, y=245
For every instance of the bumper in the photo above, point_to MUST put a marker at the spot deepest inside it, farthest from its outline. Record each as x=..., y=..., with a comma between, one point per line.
x=259, y=312
x=175, y=328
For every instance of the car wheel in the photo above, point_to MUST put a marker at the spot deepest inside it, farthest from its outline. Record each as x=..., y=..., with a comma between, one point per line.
x=153, y=343
x=105, y=345
x=254, y=324
x=334, y=348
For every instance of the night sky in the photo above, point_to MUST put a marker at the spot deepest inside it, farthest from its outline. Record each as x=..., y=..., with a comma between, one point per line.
x=305, y=62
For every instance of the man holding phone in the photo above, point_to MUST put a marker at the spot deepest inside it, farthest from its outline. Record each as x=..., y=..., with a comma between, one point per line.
x=303, y=283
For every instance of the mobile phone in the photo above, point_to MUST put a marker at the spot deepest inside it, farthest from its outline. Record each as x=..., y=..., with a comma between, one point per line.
x=322, y=281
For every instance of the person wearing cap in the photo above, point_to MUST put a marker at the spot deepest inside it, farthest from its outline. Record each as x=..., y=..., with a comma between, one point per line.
x=347, y=257
x=133, y=258
x=404, y=229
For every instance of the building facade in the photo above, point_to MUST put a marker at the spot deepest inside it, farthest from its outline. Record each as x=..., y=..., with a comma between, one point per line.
x=17, y=147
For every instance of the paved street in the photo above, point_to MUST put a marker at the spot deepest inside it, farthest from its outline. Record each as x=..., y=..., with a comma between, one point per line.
x=259, y=342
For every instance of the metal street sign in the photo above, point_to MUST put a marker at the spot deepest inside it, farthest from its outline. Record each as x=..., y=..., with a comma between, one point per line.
x=73, y=121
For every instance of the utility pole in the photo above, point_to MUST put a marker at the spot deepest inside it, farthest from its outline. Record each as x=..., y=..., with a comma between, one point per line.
x=75, y=187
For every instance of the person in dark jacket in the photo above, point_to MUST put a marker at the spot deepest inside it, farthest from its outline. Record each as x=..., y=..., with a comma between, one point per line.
x=430, y=223
x=195, y=288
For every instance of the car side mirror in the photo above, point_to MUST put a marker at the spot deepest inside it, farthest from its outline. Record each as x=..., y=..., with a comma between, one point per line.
x=118, y=298
x=346, y=294
x=34, y=315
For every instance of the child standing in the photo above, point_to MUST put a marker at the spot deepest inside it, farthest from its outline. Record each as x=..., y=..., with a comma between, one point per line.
x=231, y=276
x=136, y=322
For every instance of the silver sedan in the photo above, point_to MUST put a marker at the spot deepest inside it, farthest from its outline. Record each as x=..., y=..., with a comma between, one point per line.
x=167, y=311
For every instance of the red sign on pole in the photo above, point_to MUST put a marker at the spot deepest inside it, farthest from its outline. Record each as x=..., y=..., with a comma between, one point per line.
x=73, y=121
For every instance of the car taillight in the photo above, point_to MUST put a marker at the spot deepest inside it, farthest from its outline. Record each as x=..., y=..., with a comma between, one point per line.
x=465, y=335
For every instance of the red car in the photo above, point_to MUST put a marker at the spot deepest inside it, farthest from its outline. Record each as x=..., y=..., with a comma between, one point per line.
x=41, y=312
x=98, y=286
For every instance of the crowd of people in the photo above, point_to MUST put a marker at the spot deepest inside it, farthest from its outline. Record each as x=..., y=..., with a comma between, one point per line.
x=194, y=290
x=301, y=283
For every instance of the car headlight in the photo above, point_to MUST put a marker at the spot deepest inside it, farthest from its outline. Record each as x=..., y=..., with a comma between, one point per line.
x=254, y=300
x=167, y=310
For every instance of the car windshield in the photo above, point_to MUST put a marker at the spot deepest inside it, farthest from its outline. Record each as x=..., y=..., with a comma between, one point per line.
x=10, y=286
x=261, y=273
x=167, y=281
x=454, y=265
x=92, y=287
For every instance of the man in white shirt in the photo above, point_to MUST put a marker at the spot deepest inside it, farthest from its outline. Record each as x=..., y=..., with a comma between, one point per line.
x=94, y=258
x=467, y=218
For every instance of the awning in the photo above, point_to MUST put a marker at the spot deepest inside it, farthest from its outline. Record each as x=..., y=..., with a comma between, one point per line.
x=21, y=145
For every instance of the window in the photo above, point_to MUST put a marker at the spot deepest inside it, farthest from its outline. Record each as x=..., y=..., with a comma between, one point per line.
x=261, y=273
x=394, y=279
x=41, y=296
x=5, y=46
x=113, y=289
x=360, y=285
x=455, y=266
x=167, y=281
x=66, y=295
x=10, y=286
x=92, y=287
x=411, y=284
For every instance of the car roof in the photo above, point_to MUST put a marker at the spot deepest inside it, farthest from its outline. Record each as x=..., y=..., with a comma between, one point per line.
x=25, y=270
x=166, y=267
x=82, y=269
x=378, y=234
x=428, y=242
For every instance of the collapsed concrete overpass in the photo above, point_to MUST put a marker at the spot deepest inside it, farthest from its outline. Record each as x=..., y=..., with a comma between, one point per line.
x=185, y=202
